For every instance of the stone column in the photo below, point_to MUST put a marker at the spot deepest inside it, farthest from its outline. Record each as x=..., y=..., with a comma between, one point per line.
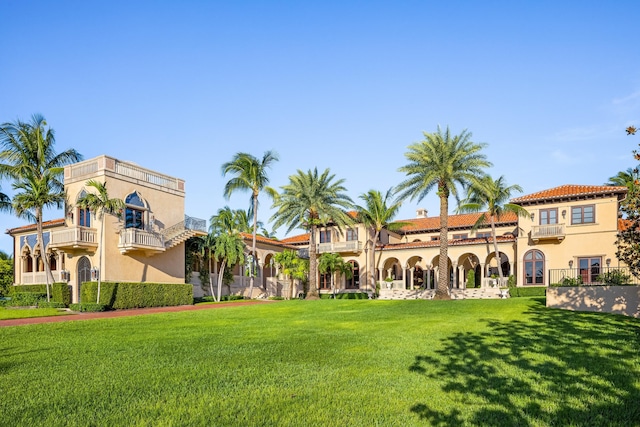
x=483, y=274
x=456, y=283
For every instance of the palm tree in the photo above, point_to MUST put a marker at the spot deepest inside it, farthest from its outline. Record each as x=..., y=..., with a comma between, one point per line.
x=442, y=161
x=100, y=204
x=28, y=158
x=485, y=193
x=293, y=266
x=376, y=215
x=250, y=174
x=627, y=178
x=228, y=248
x=333, y=263
x=311, y=200
x=5, y=202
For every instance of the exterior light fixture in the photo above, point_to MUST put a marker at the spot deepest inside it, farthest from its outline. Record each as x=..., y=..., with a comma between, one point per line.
x=533, y=216
x=570, y=263
x=564, y=213
x=608, y=262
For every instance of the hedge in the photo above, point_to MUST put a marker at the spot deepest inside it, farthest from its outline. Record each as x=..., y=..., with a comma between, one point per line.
x=346, y=295
x=532, y=291
x=60, y=291
x=88, y=307
x=122, y=295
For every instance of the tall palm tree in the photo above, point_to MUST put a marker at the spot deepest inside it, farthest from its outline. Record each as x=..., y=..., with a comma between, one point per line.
x=250, y=174
x=29, y=159
x=333, y=263
x=224, y=221
x=627, y=178
x=376, y=215
x=100, y=204
x=492, y=195
x=442, y=161
x=308, y=201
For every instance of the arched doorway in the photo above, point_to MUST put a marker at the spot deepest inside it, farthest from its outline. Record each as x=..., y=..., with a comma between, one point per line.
x=84, y=274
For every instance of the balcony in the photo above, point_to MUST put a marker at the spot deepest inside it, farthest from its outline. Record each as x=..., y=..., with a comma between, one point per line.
x=136, y=240
x=547, y=232
x=74, y=239
x=353, y=246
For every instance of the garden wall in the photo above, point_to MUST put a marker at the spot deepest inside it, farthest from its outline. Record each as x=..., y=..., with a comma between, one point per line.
x=606, y=299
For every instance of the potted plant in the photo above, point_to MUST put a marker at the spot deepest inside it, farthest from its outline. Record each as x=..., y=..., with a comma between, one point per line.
x=389, y=281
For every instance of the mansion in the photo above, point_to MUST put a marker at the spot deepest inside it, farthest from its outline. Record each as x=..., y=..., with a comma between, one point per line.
x=569, y=229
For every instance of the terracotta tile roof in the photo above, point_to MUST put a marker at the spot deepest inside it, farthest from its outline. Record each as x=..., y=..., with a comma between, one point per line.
x=47, y=224
x=297, y=240
x=455, y=221
x=262, y=239
x=569, y=192
x=435, y=243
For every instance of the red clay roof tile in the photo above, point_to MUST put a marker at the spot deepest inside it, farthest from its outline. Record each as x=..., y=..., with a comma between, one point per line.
x=568, y=192
x=29, y=227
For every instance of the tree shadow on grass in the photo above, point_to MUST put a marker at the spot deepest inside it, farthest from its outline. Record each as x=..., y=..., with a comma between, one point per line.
x=554, y=367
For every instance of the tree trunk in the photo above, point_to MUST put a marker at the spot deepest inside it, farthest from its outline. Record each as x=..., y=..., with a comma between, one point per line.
x=253, y=244
x=220, y=278
x=43, y=253
x=442, y=291
x=313, y=267
x=373, y=257
x=100, y=257
x=211, y=279
x=292, y=291
x=495, y=248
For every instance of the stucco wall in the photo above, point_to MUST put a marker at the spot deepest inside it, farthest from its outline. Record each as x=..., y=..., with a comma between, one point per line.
x=608, y=299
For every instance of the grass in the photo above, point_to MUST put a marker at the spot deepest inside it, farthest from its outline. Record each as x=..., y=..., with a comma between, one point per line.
x=328, y=363
x=19, y=313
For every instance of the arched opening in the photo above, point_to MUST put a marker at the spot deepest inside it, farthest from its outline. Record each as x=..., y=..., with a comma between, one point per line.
x=534, y=268
x=353, y=282
x=84, y=274
x=134, y=216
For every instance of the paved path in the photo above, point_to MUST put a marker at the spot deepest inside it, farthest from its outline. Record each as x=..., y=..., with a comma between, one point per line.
x=124, y=313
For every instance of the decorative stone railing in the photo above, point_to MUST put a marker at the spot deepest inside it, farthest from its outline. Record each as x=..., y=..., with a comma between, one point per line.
x=349, y=246
x=74, y=236
x=133, y=238
x=550, y=231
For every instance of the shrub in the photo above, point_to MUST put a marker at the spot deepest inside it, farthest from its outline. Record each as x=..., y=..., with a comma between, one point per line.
x=89, y=292
x=231, y=297
x=471, y=279
x=346, y=295
x=60, y=291
x=276, y=298
x=614, y=277
x=138, y=295
x=197, y=300
x=26, y=299
x=88, y=307
x=52, y=304
x=511, y=281
x=531, y=291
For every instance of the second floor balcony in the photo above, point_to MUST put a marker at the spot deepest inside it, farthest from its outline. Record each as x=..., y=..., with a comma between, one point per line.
x=547, y=232
x=136, y=240
x=74, y=238
x=352, y=246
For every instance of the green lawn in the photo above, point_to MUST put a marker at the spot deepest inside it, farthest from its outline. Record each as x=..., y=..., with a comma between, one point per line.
x=328, y=363
x=21, y=313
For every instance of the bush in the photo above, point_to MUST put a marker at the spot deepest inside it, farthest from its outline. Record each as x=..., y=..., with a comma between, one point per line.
x=60, y=291
x=346, y=295
x=614, y=277
x=88, y=307
x=276, y=298
x=52, y=304
x=532, y=291
x=124, y=295
x=231, y=297
x=471, y=279
x=511, y=281
x=26, y=299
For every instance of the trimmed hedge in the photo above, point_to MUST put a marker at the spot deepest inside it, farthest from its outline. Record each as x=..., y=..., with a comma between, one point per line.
x=52, y=304
x=533, y=291
x=60, y=291
x=88, y=307
x=346, y=295
x=116, y=295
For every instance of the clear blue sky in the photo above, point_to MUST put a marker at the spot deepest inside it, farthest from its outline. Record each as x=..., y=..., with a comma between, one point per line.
x=179, y=87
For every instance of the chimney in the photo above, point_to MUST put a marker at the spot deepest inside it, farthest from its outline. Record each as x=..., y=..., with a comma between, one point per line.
x=421, y=213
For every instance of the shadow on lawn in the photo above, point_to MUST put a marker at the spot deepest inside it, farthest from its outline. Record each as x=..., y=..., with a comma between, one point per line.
x=553, y=368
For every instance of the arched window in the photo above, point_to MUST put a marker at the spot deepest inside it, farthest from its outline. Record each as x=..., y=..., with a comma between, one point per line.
x=325, y=281
x=134, y=211
x=354, y=281
x=84, y=216
x=534, y=268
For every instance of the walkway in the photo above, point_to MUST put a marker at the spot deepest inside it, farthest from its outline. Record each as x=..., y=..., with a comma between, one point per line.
x=124, y=313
